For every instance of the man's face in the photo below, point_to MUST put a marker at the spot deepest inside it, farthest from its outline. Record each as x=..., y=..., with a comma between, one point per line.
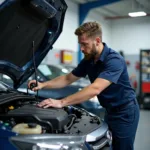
x=88, y=46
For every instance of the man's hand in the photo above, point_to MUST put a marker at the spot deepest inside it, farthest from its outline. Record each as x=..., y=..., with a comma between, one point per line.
x=50, y=103
x=38, y=87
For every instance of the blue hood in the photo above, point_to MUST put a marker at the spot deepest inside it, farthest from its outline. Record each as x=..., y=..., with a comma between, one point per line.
x=28, y=28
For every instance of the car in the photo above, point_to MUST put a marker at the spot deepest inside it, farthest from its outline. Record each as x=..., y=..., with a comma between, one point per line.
x=53, y=71
x=28, y=31
x=84, y=81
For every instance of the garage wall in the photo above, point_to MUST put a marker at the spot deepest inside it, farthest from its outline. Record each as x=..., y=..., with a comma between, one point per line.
x=67, y=39
x=131, y=35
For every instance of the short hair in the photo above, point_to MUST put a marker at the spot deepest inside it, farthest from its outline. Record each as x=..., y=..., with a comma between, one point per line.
x=91, y=29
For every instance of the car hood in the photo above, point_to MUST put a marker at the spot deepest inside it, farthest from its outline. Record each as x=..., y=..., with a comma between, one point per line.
x=28, y=30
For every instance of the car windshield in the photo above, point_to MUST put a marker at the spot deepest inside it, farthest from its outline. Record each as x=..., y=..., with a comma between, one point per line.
x=52, y=72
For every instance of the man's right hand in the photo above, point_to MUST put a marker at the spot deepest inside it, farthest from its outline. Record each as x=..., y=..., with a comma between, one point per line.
x=38, y=87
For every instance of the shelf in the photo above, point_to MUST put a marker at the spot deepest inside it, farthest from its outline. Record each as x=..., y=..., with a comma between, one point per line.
x=144, y=72
x=145, y=63
x=145, y=54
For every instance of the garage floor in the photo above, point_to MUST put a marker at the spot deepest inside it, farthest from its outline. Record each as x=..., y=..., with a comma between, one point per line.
x=142, y=141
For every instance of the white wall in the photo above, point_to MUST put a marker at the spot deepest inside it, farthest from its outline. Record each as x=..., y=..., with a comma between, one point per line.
x=131, y=35
x=67, y=39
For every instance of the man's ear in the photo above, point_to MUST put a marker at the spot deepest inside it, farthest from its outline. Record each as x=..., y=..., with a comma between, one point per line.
x=98, y=40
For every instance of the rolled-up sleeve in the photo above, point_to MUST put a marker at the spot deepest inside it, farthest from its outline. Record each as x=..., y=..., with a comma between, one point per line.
x=80, y=70
x=113, y=69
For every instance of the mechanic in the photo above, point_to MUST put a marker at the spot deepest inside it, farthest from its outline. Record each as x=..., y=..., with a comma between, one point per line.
x=107, y=72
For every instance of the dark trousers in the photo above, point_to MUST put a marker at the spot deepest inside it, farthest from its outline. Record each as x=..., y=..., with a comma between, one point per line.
x=123, y=125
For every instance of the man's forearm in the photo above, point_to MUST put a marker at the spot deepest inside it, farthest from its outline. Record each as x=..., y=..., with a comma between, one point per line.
x=81, y=96
x=58, y=82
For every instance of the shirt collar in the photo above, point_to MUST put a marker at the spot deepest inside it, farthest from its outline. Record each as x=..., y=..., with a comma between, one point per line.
x=104, y=52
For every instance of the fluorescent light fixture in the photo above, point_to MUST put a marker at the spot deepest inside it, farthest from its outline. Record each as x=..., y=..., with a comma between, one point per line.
x=137, y=14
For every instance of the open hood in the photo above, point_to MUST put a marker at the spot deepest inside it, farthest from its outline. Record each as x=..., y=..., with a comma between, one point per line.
x=28, y=29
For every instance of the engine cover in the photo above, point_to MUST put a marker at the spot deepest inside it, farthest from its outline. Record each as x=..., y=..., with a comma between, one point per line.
x=57, y=117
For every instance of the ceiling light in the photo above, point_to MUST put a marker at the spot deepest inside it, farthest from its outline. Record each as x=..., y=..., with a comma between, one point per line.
x=137, y=14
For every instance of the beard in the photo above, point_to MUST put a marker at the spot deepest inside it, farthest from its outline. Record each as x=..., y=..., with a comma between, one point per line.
x=92, y=54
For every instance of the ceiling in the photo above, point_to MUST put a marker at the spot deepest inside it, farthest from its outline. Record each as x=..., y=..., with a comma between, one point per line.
x=120, y=9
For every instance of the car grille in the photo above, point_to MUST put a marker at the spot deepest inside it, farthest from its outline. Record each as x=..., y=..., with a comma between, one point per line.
x=99, y=143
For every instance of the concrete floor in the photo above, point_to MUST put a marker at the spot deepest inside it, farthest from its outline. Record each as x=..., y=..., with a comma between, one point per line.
x=142, y=141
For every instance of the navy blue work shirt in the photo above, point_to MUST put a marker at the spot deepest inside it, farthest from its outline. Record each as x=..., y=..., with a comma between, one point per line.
x=110, y=66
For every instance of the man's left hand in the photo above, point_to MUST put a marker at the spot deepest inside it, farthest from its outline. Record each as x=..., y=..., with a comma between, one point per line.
x=50, y=103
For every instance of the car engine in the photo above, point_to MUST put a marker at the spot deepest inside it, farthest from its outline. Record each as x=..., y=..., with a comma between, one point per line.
x=20, y=115
x=17, y=108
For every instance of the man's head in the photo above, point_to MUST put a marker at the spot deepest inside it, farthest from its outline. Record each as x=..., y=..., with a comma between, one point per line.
x=89, y=37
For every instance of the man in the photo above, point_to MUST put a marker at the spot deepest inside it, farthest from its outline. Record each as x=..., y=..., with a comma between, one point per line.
x=109, y=82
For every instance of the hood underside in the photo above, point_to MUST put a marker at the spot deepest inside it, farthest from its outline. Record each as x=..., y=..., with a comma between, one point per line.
x=28, y=30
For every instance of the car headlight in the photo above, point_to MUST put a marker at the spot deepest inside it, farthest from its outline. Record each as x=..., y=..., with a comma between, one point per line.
x=49, y=142
x=109, y=137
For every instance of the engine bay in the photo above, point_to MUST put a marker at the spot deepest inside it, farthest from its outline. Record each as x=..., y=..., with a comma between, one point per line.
x=17, y=108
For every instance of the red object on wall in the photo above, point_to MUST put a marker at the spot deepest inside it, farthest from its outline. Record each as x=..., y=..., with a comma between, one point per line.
x=135, y=84
x=57, y=55
x=127, y=62
x=146, y=87
x=137, y=65
x=66, y=56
